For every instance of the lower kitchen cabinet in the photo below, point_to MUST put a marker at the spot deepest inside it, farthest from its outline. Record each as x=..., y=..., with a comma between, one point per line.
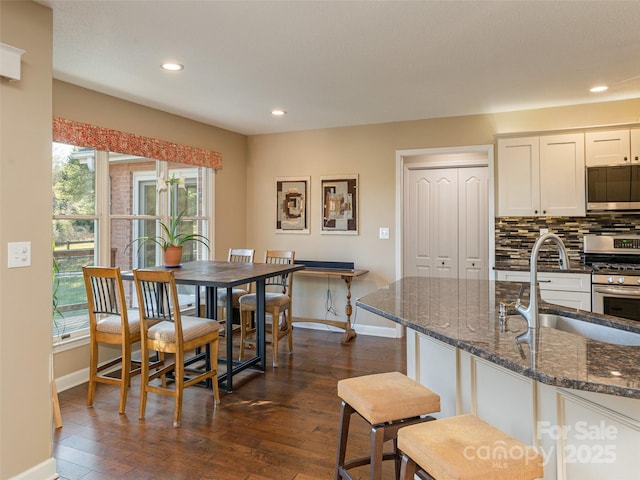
x=567, y=289
x=581, y=435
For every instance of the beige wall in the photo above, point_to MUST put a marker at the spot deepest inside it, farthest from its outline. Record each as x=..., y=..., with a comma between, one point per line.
x=25, y=213
x=370, y=151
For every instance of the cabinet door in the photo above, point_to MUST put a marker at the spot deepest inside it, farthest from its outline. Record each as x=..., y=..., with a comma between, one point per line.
x=635, y=145
x=518, y=176
x=562, y=177
x=610, y=147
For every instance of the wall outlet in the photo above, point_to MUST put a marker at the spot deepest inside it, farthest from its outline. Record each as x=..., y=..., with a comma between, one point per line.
x=384, y=233
x=543, y=231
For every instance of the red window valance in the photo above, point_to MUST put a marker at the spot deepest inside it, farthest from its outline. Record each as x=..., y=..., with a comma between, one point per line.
x=85, y=135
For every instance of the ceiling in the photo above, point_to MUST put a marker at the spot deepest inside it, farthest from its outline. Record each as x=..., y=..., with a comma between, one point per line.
x=340, y=63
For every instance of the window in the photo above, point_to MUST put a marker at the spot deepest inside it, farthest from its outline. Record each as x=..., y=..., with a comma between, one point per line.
x=102, y=201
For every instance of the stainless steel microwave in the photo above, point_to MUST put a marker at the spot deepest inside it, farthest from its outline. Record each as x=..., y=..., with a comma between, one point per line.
x=613, y=188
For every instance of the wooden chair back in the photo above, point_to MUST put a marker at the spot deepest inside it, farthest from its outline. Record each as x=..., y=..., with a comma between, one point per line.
x=158, y=299
x=241, y=255
x=284, y=281
x=105, y=296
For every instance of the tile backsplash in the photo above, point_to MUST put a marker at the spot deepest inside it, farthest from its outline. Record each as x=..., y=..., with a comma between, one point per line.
x=515, y=236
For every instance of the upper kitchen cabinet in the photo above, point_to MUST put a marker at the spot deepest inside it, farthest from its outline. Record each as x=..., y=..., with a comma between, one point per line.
x=612, y=147
x=541, y=176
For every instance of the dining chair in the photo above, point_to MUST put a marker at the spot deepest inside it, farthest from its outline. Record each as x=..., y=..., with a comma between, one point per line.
x=110, y=323
x=236, y=255
x=176, y=334
x=277, y=303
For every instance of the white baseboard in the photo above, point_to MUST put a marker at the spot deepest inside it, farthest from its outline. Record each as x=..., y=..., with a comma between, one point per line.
x=360, y=329
x=43, y=471
x=72, y=379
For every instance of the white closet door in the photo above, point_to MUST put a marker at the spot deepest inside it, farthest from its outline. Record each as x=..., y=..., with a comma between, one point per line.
x=472, y=226
x=444, y=225
x=417, y=208
x=431, y=237
x=445, y=228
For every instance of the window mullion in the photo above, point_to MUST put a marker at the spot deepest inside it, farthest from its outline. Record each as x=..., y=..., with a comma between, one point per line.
x=103, y=229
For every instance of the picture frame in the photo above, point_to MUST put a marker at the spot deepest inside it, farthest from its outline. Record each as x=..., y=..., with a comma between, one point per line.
x=340, y=203
x=292, y=204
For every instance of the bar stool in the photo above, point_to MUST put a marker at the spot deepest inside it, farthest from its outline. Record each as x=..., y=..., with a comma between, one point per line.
x=387, y=401
x=465, y=448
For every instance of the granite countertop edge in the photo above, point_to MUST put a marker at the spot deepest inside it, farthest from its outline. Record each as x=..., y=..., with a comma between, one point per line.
x=527, y=371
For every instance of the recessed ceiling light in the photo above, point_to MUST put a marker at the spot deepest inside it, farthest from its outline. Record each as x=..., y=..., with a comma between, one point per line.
x=172, y=67
x=599, y=88
x=278, y=113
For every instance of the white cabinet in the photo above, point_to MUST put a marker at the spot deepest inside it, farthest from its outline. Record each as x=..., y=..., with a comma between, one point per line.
x=541, y=176
x=581, y=435
x=567, y=289
x=612, y=147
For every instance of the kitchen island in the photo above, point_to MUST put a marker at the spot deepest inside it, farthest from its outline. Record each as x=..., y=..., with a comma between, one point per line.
x=575, y=399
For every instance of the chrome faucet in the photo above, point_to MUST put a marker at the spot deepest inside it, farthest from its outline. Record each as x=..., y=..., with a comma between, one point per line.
x=530, y=313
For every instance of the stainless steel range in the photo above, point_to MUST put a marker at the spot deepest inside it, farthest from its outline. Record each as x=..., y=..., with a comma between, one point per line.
x=615, y=281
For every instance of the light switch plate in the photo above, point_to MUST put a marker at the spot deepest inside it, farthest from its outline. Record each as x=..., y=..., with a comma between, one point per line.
x=384, y=233
x=19, y=254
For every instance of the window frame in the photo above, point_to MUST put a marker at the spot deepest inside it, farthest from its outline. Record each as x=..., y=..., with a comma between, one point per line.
x=103, y=217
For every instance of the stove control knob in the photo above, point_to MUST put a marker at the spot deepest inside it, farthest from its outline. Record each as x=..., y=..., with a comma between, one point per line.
x=610, y=279
x=620, y=280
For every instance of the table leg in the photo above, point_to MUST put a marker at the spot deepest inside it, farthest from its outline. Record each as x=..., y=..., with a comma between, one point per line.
x=260, y=321
x=229, y=338
x=349, y=332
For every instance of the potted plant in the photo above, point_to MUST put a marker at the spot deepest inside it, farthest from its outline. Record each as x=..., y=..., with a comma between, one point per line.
x=171, y=238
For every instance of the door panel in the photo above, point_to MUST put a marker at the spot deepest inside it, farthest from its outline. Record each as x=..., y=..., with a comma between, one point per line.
x=444, y=228
x=445, y=222
x=472, y=226
x=417, y=244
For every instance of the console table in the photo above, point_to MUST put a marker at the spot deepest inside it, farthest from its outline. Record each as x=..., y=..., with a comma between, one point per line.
x=345, y=274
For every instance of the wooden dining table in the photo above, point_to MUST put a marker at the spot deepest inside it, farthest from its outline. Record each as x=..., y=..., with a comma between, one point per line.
x=221, y=274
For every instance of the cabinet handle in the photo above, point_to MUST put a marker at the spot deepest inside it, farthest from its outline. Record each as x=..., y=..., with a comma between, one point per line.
x=535, y=211
x=625, y=159
x=544, y=211
x=636, y=158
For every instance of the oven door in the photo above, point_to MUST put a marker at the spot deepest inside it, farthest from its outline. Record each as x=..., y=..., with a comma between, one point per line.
x=618, y=301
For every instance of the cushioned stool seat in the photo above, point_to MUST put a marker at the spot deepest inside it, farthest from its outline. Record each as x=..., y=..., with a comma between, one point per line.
x=466, y=448
x=387, y=401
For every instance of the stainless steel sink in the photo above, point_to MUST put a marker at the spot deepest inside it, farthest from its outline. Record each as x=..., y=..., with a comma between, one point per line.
x=589, y=330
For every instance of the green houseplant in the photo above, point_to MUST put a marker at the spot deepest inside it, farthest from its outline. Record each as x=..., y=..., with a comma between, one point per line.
x=171, y=238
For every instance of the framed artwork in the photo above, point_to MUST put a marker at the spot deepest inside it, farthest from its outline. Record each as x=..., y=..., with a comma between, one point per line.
x=339, y=204
x=292, y=204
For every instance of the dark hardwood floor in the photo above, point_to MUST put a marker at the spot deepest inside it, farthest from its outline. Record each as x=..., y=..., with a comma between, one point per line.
x=280, y=425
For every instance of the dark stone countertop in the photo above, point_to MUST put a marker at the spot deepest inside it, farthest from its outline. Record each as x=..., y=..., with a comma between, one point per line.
x=464, y=313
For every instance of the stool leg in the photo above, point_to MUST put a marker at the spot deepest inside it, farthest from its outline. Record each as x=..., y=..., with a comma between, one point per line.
x=377, y=451
x=345, y=417
x=407, y=468
x=397, y=459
